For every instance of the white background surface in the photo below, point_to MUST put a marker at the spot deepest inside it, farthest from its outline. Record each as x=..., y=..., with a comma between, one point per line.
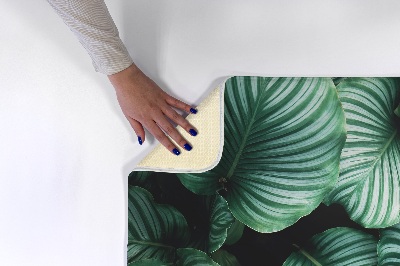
x=65, y=147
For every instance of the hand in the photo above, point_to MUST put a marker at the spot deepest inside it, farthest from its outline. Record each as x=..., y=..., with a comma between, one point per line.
x=145, y=104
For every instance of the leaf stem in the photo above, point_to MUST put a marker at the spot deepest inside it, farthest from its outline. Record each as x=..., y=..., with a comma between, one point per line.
x=383, y=150
x=246, y=135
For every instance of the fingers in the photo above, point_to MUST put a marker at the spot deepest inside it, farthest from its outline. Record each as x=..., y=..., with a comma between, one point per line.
x=161, y=137
x=171, y=131
x=162, y=128
x=180, y=105
x=138, y=128
x=179, y=120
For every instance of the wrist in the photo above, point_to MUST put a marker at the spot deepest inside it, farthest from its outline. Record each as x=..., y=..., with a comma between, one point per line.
x=129, y=71
x=120, y=78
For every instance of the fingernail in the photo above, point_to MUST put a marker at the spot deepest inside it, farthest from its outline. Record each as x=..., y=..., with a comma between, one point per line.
x=140, y=140
x=192, y=132
x=193, y=111
x=187, y=147
x=176, y=152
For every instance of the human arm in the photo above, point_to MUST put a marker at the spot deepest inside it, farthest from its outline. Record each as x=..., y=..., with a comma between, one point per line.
x=142, y=101
x=95, y=29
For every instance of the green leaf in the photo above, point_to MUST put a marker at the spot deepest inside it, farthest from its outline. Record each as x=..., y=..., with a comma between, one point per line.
x=283, y=138
x=205, y=183
x=146, y=180
x=224, y=258
x=139, y=177
x=193, y=257
x=397, y=111
x=154, y=230
x=218, y=218
x=369, y=181
x=389, y=246
x=338, y=246
x=208, y=217
x=235, y=232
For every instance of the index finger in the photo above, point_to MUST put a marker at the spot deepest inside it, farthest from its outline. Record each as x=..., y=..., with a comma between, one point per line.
x=180, y=105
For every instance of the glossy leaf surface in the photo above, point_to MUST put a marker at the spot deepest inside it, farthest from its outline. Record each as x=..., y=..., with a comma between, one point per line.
x=283, y=138
x=154, y=230
x=369, y=181
x=218, y=218
x=338, y=246
x=235, y=232
x=389, y=246
x=224, y=258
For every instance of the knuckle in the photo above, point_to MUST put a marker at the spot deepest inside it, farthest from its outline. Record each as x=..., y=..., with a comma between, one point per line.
x=160, y=136
x=169, y=130
x=175, y=116
x=154, y=108
x=175, y=101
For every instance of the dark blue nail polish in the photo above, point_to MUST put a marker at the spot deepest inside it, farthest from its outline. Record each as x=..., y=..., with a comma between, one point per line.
x=187, y=147
x=193, y=111
x=140, y=140
x=176, y=152
x=192, y=132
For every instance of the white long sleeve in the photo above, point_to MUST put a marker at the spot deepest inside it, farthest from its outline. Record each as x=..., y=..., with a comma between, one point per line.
x=91, y=22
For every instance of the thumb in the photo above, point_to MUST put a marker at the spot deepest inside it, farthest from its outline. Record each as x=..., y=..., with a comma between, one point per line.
x=138, y=128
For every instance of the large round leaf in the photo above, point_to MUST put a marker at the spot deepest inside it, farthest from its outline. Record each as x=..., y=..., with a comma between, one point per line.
x=283, y=138
x=338, y=246
x=369, y=181
x=154, y=230
x=389, y=246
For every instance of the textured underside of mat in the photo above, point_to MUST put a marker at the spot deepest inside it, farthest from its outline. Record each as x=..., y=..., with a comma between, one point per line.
x=207, y=145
